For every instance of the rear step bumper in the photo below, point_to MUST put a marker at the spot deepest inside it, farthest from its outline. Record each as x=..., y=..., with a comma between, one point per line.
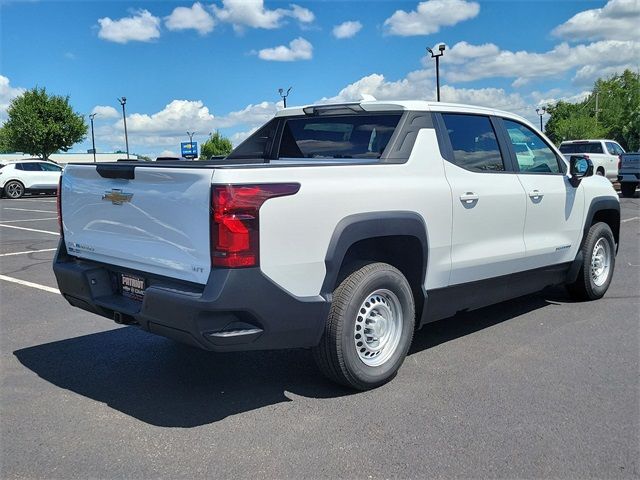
x=238, y=309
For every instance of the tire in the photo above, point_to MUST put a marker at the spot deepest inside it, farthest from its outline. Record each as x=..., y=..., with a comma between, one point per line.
x=628, y=189
x=13, y=189
x=598, y=264
x=349, y=353
x=600, y=172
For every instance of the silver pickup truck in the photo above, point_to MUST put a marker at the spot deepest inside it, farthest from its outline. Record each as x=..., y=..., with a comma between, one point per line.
x=629, y=173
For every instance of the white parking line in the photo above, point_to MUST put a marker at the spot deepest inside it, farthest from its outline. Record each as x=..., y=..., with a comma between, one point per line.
x=28, y=210
x=29, y=229
x=629, y=219
x=28, y=251
x=29, y=284
x=29, y=220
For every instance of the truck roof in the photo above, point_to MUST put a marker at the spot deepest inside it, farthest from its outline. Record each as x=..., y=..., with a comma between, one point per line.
x=409, y=105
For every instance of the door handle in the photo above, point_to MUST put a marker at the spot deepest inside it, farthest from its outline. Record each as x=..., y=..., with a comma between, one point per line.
x=469, y=198
x=535, y=195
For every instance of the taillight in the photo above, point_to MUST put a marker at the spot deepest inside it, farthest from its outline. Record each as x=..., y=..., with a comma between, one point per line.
x=59, y=204
x=235, y=221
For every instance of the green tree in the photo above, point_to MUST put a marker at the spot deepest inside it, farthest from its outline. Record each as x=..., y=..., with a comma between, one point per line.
x=41, y=124
x=4, y=142
x=215, y=145
x=618, y=116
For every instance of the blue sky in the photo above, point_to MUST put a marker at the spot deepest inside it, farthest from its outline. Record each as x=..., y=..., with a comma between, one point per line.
x=206, y=66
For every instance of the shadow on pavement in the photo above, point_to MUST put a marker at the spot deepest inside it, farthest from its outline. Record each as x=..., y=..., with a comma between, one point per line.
x=167, y=384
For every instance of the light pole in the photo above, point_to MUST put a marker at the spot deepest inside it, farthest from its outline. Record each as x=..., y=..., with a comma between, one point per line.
x=541, y=112
x=93, y=138
x=284, y=95
x=123, y=102
x=437, y=56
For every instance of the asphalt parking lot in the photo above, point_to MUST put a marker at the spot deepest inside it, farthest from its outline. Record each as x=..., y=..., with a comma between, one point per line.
x=535, y=387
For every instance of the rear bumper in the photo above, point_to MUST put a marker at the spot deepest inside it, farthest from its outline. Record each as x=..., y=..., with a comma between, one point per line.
x=236, y=310
x=628, y=177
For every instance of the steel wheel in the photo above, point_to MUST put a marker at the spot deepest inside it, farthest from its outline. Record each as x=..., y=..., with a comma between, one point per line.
x=600, y=262
x=378, y=327
x=14, y=189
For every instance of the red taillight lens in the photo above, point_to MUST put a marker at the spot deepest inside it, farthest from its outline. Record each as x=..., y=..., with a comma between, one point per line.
x=235, y=218
x=59, y=204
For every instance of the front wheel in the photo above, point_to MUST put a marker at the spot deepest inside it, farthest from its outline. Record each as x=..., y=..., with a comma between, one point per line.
x=369, y=328
x=14, y=189
x=599, y=260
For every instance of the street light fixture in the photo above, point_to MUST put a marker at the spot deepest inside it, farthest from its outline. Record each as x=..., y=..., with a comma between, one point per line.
x=123, y=102
x=437, y=56
x=284, y=95
x=93, y=138
x=541, y=111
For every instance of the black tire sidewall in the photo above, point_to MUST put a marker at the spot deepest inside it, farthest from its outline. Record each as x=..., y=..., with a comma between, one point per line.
x=600, y=230
x=628, y=189
x=17, y=183
x=392, y=280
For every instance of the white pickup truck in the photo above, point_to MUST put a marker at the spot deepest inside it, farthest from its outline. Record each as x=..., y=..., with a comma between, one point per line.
x=340, y=228
x=605, y=155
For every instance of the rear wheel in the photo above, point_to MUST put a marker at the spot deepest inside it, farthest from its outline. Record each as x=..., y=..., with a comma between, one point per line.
x=599, y=260
x=600, y=172
x=14, y=189
x=369, y=328
x=628, y=189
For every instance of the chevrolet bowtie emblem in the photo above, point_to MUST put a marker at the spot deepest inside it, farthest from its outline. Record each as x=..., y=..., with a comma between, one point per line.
x=117, y=196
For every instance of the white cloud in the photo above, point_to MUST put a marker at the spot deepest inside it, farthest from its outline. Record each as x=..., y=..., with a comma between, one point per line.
x=347, y=29
x=141, y=27
x=298, y=49
x=617, y=20
x=429, y=16
x=185, y=18
x=70, y=55
x=474, y=62
x=253, y=14
x=104, y=112
x=7, y=93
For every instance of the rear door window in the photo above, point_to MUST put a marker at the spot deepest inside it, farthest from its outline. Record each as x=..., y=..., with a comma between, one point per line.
x=49, y=167
x=30, y=167
x=338, y=137
x=474, y=142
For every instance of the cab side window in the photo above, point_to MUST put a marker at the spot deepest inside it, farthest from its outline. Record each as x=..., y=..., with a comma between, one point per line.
x=474, y=142
x=532, y=153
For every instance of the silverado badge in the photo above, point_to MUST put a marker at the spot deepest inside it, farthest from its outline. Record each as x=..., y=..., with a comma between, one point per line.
x=117, y=196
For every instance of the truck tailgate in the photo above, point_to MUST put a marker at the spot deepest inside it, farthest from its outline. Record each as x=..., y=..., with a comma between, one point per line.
x=155, y=222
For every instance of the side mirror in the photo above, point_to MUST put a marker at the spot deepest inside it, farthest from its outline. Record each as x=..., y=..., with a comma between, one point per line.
x=579, y=167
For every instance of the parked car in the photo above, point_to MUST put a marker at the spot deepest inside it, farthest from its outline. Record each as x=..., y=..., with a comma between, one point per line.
x=29, y=176
x=337, y=227
x=604, y=154
x=629, y=174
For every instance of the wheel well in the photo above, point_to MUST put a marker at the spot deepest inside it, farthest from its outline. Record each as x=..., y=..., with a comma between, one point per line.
x=612, y=218
x=401, y=251
x=600, y=169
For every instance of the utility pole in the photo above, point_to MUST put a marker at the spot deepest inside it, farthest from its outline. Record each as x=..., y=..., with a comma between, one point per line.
x=123, y=102
x=284, y=95
x=597, y=109
x=437, y=56
x=93, y=138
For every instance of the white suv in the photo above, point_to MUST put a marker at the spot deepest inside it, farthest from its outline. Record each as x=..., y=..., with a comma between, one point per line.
x=604, y=154
x=33, y=175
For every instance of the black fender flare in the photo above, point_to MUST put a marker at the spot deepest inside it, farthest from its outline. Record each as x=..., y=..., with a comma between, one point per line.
x=597, y=204
x=363, y=226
